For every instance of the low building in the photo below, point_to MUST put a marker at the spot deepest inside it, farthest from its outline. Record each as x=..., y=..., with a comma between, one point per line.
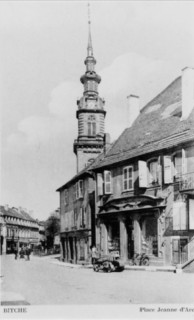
x=145, y=183
x=17, y=228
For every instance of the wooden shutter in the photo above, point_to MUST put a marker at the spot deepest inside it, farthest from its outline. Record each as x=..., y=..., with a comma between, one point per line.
x=143, y=174
x=80, y=188
x=167, y=169
x=184, y=162
x=99, y=184
x=107, y=182
x=183, y=216
x=159, y=171
x=191, y=214
x=176, y=216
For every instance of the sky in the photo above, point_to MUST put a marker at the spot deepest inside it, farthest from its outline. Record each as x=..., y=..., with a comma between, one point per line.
x=140, y=48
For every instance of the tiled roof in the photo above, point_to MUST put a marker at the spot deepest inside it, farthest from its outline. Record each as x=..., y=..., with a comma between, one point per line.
x=15, y=213
x=157, y=127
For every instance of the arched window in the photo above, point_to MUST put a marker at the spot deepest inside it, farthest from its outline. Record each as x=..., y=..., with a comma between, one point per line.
x=91, y=125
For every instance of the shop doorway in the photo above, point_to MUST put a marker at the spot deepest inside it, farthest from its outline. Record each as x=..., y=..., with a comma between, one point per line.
x=114, y=237
x=149, y=227
x=130, y=238
x=179, y=251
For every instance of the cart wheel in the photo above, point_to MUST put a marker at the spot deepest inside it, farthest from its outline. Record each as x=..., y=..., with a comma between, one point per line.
x=145, y=262
x=109, y=269
x=96, y=268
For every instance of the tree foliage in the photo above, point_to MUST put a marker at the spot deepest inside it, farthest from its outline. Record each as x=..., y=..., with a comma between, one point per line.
x=52, y=228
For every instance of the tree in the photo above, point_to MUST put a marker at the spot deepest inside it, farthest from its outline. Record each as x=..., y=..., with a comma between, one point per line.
x=52, y=227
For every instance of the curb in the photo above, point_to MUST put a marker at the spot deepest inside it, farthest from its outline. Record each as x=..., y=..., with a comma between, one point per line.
x=133, y=268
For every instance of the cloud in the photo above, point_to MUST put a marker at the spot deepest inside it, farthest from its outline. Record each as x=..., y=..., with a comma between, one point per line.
x=35, y=131
x=129, y=73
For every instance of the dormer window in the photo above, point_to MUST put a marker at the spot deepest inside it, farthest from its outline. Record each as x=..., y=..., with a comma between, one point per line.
x=128, y=178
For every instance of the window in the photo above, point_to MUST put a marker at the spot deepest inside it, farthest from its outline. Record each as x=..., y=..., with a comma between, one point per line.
x=82, y=218
x=107, y=181
x=91, y=125
x=153, y=171
x=127, y=178
x=177, y=161
x=175, y=166
x=79, y=189
x=167, y=169
x=75, y=217
x=100, y=184
x=65, y=197
x=179, y=215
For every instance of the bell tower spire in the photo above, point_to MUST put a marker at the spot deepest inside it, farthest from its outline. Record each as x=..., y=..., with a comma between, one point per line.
x=90, y=114
x=89, y=49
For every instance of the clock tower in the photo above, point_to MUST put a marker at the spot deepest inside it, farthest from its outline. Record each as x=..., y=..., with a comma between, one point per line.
x=90, y=114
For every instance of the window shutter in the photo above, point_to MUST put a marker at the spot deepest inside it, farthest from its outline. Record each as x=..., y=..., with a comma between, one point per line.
x=183, y=217
x=80, y=189
x=99, y=184
x=143, y=174
x=184, y=162
x=107, y=182
x=191, y=214
x=167, y=169
x=176, y=217
x=159, y=171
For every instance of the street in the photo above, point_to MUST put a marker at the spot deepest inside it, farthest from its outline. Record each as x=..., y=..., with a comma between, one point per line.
x=46, y=281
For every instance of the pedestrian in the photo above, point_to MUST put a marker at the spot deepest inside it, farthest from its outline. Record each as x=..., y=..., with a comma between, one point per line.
x=21, y=253
x=16, y=253
x=94, y=254
x=28, y=251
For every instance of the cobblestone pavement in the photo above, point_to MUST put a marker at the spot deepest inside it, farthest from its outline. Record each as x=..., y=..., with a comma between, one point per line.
x=42, y=281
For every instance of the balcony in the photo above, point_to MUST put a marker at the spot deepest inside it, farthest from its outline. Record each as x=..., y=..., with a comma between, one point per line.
x=186, y=182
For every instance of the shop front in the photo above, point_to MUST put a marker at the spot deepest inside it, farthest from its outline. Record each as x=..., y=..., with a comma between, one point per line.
x=76, y=246
x=128, y=226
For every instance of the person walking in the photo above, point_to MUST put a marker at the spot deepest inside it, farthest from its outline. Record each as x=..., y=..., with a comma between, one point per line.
x=94, y=254
x=21, y=253
x=28, y=251
x=16, y=253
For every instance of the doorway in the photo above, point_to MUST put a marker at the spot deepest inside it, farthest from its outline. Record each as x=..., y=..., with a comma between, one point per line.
x=130, y=238
x=179, y=250
x=149, y=227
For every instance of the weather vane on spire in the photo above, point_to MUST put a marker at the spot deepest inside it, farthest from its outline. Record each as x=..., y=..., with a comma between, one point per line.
x=89, y=13
x=90, y=49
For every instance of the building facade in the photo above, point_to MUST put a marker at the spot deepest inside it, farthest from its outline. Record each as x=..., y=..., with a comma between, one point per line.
x=18, y=228
x=77, y=199
x=145, y=183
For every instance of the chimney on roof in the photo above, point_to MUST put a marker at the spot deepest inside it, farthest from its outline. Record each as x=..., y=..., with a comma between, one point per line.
x=133, y=109
x=187, y=92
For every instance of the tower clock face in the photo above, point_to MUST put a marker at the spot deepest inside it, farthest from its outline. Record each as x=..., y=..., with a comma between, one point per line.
x=91, y=104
